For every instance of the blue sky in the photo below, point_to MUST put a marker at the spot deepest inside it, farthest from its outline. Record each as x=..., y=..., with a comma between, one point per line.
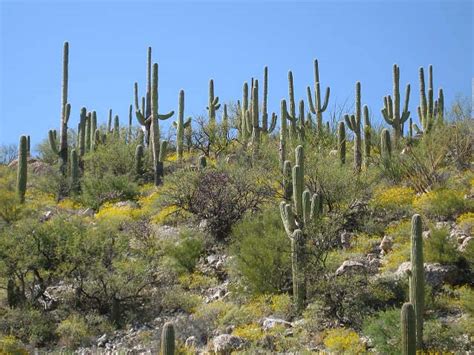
x=229, y=41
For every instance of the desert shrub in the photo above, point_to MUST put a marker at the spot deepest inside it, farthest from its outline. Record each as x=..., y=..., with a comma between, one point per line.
x=383, y=329
x=251, y=332
x=343, y=340
x=441, y=204
x=220, y=196
x=73, y=331
x=29, y=325
x=177, y=299
x=8, y=153
x=466, y=299
x=11, y=345
x=349, y=299
x=107, y=188
x=197, y=281
x=186, y=252
x=439, y=248
x=261, y=251
x=444, y=337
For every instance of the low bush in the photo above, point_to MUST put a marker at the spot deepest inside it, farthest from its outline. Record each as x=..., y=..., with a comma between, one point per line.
x=261, y=252
x=73, y=331
x=383, y=330
x=343, y=340
x=441, y=204
x=439, y=248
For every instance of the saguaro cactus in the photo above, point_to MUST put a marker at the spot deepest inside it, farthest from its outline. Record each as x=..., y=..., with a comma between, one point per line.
x=408, y=329
x=138, y=162
x=243, y=129
x=75, y=186
x=180, y=125
x=116, y=126
x=301, y=127
x=213, y=104
x=316, y=108
x=82, y=132
x=93, y=128
x=385, y=145
x=430, y=111
x=353, y=122
x=294, y=218
x=341, y=142
x=109, y=122
x=391, y=111
x=88, y=131
x=417, y=277
x=22, y=169
x=291, y=116
x=62, y=151
x=255, y=119
x=266, y=127
x=283, y=132
x=155, y=127
x=129, y=138
x=167, y=339
x=367, y=136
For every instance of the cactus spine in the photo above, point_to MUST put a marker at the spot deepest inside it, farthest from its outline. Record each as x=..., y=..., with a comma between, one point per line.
x=417, y=277
x=430, y=112
x=391, y=110
x=75, y=187
x=317, y=109
x=341, y=142
x=181, y=126
x=385, y=145
x=294, y=218
x=408, y=329
x=367, y=136
x=22, y=169
x=167, y=339
x=353, y=122
x=213, y=104
x=155, y=127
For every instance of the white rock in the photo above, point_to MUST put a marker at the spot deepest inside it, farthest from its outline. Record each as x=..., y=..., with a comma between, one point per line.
x=350, y=266
x=225, y=344
x=269, y=323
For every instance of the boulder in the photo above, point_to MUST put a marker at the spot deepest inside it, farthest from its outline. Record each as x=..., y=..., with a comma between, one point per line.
x=435, y=273
x=463, y=247
x=350, y=266
x=225, y=344
x=269, y=323
x=386, y=244
x=346, y=238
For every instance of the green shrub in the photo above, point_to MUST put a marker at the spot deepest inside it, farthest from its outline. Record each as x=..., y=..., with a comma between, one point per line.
x=383, y=329
x=444, y=337
x=73, y=331
x=107, y=188
x=261, y=251
x=12, y=346
x=186, y=252
x=439, y=248
x=441, y=204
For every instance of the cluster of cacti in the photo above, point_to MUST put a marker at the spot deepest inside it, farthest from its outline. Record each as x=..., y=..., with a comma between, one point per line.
x=304, y=209
x=430, y=111
x=391, y=111
x=316, y=108
x=22, y=168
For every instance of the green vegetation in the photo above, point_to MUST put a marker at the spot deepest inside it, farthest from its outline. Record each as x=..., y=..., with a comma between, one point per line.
x=114, y=232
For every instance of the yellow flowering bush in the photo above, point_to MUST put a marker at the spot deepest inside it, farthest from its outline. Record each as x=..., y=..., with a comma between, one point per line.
x=110, y=211
x=251, y=332
x=68, y=204
x=343, y=340
x=12, y=346
x=163, y=216
x=393, y=199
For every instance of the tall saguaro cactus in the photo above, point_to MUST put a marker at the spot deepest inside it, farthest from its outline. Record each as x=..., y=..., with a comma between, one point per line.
x=168, y=339
x=408, y=329
x=283, y=132
x=213, y=104
x=385, y=145
x=391, y=111
x=316, y=108
x=181, y=125
x=155, y=127
x=353, y=122
x=75, y=185
x=291, y=115
x=294, y=217
x=341, y=142
x=417, y=277
x=430, y=111
x=22, y=169
x=267, y=127
x=367, y=136
x=62, y=151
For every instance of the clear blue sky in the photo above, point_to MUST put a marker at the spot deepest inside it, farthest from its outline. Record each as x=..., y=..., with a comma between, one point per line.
x=229, y=41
